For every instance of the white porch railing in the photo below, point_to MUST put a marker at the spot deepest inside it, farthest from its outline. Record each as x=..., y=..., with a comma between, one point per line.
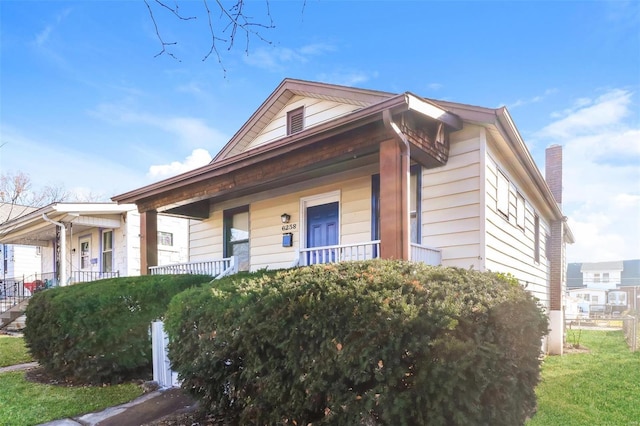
x=215, y=268
x=429, y=255
x=339, y=253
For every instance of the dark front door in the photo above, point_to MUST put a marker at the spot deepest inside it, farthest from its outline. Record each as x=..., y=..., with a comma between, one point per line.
x=322, y=230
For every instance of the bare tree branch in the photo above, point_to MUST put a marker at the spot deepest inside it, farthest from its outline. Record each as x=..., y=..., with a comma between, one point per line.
x=16, y=192
x=231, y=21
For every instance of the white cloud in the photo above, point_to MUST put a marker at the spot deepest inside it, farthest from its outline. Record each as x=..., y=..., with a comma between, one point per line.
x=50, y=163
x=587, y=118
x=276, y=58
x=198, y=158
x=190, y=132
x=601, y=176
x=532, y=100
x=351, y=78
x=43, y=36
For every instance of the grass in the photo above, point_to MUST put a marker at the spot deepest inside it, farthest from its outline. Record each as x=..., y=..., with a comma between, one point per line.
x=25, y=403
x=13, y=351
x=601, y=387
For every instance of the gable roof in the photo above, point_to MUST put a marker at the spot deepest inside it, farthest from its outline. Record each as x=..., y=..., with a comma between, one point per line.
x=372, y=105
x=289, y=88
x=232, y=157
x=631, y=272
x=602, y=266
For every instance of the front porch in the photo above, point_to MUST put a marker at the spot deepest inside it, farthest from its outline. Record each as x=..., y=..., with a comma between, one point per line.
x=304, y=257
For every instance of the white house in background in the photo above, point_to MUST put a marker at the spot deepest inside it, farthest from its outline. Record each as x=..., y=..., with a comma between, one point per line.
x=323, y=173
x=80, y=242
x=602, y=275
x=17, y=260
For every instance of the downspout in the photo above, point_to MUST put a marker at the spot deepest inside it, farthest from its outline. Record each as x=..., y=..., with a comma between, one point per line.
x=63, y=248
x=405, y=158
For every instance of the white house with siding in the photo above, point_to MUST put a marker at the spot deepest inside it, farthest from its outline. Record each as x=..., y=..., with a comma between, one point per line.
x=100, y=240
x=325, y=173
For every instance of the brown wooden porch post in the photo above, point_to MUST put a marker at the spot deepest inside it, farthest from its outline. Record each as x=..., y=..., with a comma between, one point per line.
x=148, y=240
x=394, y=201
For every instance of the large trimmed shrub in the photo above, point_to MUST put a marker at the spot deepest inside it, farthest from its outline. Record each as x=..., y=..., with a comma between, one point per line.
x=377, y=342
x=98, y=332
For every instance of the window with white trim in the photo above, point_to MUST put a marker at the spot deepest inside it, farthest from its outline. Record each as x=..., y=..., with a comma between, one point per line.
x=165, y=238
x=107, y=251
x=520, y=210
x=502, y=194
x=536, y=236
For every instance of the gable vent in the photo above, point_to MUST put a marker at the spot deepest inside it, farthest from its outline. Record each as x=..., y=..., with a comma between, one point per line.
x=295, y=121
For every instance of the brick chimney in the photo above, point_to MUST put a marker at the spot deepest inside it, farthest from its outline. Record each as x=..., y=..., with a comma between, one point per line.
x=556, y=255
x=553, y=171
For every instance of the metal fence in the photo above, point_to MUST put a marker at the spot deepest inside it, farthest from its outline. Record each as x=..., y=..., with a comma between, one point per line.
x=627, y=323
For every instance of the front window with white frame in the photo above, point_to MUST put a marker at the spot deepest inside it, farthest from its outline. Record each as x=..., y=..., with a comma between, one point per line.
x=107, y=251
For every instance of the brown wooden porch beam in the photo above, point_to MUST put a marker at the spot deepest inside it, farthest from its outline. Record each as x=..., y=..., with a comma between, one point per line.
x=394, y=201
x=148, y=240
x=241, y=176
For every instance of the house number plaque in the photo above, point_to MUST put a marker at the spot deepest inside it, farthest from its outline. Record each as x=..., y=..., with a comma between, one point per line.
x=289, y=227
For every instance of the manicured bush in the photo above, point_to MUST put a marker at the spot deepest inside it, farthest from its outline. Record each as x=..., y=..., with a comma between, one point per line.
x=377, y=342
x=98, y=332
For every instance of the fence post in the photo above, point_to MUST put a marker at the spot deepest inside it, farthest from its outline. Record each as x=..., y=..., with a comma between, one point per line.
x=162, y=373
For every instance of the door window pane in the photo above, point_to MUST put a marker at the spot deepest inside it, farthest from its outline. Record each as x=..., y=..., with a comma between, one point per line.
x=237, y=237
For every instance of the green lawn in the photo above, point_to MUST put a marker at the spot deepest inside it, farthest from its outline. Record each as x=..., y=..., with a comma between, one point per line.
x=13, y=351
x=24, y=403
x=601, y=387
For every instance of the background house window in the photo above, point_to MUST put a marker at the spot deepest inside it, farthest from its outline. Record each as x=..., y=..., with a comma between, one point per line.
x=596, y=277
x=295, y=121
x=236, y=236
x=502, y=195
x=165, y=238
x=605, y=277
x=107, y=251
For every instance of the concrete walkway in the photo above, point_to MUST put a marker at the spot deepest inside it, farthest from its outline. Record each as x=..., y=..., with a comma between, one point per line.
x=18, y=367
x=147, y=408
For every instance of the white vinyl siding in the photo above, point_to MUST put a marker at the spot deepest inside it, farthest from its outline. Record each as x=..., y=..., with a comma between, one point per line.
x=316, y=111
x=265, y=243
x=451, y=203
x=510, y=240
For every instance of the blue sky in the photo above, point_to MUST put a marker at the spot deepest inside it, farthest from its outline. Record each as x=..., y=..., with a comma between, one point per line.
x=86, y=104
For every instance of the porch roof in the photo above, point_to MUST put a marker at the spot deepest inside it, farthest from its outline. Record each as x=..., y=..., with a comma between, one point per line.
x=33, y=229
x=229, y=160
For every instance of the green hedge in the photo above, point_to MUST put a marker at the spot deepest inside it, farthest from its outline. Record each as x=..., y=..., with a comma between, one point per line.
x=98, y=332
x=378, y=342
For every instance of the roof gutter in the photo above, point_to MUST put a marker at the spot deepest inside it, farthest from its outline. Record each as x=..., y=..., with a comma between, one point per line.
x=63, y=248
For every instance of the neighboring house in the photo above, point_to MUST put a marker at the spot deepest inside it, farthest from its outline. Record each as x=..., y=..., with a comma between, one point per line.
x=17, y=260
x=99, y=240
x=81, y=242
x=600, y=278
x=603, y=275
x=328, y=173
